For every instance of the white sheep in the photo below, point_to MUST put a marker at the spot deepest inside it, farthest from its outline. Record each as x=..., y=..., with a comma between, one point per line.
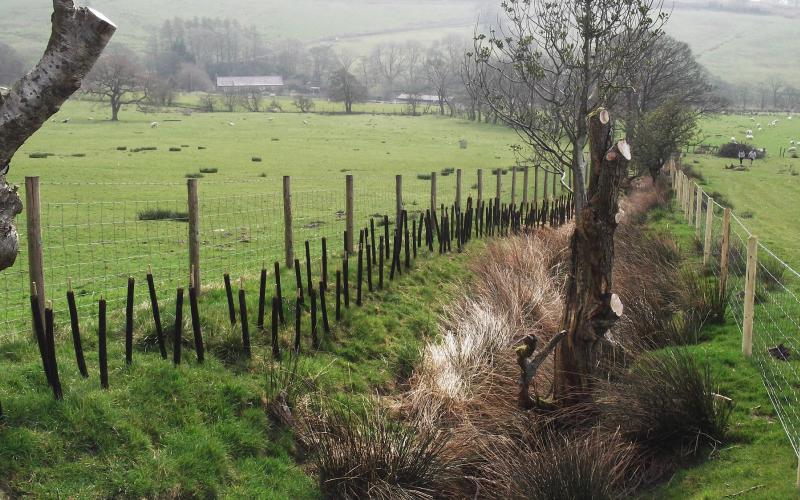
x=748, y=132
x=305, y=122
x=749, y=136
x=733, y=139
x=154, y=125
x=792, y=149
x=231, y=124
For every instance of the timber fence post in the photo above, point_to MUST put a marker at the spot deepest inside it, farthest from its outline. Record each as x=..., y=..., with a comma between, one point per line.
x=288, y=233
x=33, y=213
x=709, y=231
x=194, y=233
x=350, y=205
x=749, y=296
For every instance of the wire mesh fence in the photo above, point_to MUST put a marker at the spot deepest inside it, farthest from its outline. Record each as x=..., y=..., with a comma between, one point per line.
x=94, y=246
x=763, y=295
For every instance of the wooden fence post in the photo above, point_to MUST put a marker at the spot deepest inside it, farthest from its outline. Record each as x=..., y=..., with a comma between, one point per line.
x=499, y=183
x=480, y=186
x=194, y=234
x=350, y=223
x=525, y=185
x=749, y=296
x=536, y=186
x=458, y=188
x=723, y=260
x=33, y=213
x=398, y=193
x=514, y=185
x=433, y=196
x=709, y=231
x=690, y=205
x=556, y=180
x=698, y=211
x=288, y=233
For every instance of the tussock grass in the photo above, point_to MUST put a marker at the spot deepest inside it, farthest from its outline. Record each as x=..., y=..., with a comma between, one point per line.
x=362, y=452
x=560, y=466
x=665, y=403
x=163, y=214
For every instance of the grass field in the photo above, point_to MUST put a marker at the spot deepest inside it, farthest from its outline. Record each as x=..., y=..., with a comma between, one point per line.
x=766, y=194
x=95, y=186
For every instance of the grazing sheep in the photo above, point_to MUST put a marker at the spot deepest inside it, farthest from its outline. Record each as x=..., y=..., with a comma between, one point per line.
x=733, y=140
x=749, y=136
x=231, y=124
x=154, y=125
x=792, y=149
x=748, y=132
x=66, y=120
x=305, y=122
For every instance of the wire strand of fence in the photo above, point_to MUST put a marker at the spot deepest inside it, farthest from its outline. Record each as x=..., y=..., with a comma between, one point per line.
x=776, y=311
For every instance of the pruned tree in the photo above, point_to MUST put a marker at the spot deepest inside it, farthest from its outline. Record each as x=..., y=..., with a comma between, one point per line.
x=345, y=87
x=551, y=70
x=118, y=78
x=591, y=307
x=252, y=99
x=550, y=62
x=77, y=38
x=776, y=86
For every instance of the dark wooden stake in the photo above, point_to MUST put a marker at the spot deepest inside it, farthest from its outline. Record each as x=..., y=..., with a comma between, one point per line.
x=243, y=315
x=369, y=269
x=199, y=346
x=129, y=323
x=297, y=317
x=346, y=275
x=276, y=347
x=308, y=268
x=359, y=274
x=324, y=308
x=314, y=336
x=229, y=293
x=76, y=331
x=298, y=279
x=325, y=261
x=262, y=299
x=278, y=293
x=101, y=347
x=178, y=338
x=338, y=295
x=51, y=349
x=156, y=314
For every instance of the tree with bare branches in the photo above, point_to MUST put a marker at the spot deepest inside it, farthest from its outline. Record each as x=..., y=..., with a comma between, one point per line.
x=78, y=37
x=550, y=63
x=551, y=70
x=119, y=78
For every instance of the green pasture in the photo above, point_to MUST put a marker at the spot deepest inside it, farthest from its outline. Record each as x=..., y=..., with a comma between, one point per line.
x=765, y=196
x=94, y=185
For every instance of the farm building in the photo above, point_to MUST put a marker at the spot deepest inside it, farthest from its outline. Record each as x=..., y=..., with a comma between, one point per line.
x=420, y=98
x=271, y=84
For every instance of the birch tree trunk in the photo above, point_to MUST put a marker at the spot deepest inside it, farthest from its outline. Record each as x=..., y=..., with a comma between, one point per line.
x=591, y=307
x=77, y=39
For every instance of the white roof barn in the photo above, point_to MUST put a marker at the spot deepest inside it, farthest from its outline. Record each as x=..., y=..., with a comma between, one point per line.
x=421, y=98
x=263, y=82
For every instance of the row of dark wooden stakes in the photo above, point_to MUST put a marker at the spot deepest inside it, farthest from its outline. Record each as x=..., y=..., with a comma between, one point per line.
x=489, y=219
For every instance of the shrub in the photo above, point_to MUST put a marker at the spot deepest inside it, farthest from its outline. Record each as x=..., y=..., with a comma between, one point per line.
x=163, y=214
x=40, y=155
x=665, y=403
x=363, y=453
x=194, y=175
x=256, y=159
x=209, y=170
x=174, y=150
x=424, y=177
x=731, y=150
x=122, y=148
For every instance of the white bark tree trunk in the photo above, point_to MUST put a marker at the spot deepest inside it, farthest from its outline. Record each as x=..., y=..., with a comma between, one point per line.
x=78, y=37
